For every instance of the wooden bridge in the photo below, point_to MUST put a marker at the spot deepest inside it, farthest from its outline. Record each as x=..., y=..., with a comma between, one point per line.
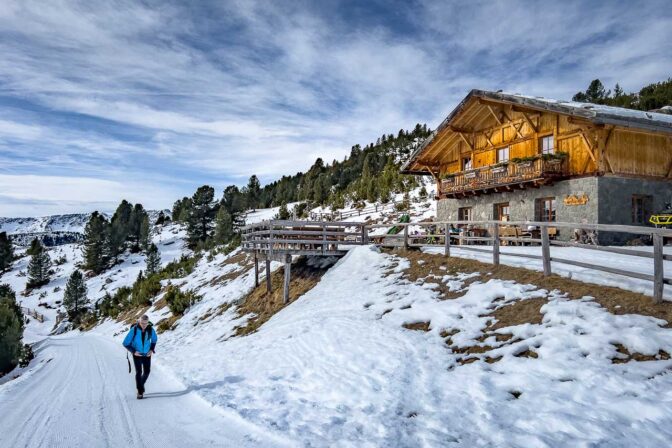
x=280, y=240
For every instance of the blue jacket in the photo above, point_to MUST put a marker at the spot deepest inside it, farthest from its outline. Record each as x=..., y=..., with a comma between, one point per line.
x=138, y=341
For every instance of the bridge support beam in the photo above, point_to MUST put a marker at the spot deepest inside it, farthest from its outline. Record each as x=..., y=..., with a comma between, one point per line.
x=288, y=269
x=256, y=270
x=268, y=275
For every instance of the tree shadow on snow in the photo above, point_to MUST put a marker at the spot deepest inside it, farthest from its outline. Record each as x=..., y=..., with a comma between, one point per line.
x=195, y=387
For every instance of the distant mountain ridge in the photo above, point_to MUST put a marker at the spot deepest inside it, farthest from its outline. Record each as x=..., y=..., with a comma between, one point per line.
x=57, y=224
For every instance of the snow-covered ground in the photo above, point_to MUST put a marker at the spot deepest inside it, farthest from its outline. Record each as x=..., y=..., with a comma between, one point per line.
x=336, y=367
x=78, y=393
x=610, y=260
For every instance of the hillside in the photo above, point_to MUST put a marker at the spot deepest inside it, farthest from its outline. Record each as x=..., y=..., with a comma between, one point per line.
x=400, y=349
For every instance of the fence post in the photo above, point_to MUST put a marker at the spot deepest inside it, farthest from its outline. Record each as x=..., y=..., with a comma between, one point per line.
x=657, y=268
x=495, y=244
x=288, y=268
x=545, y=251
x=256, y=270
x=324, y=238
x=446, y=247
x=406, y=237
x=365, y=234
x=270, y=239
x=268, y=274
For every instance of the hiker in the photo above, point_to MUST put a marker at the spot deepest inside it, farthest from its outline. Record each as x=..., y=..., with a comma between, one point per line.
x=141, y=341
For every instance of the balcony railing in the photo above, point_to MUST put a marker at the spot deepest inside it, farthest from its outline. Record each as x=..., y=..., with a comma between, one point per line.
x=496, y=178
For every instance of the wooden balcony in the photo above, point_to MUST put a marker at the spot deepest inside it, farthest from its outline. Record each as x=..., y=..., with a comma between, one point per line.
x=507, y=177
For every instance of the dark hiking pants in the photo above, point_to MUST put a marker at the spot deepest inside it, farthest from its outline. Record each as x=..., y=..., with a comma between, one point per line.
x=143, y=365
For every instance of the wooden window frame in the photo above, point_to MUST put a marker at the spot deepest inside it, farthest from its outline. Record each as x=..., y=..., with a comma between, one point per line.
x=461, y=211
x=640, y=205
x=508, y=153
x=466, y=160
x=541, y=210
x=498, y=211
x=541, y=144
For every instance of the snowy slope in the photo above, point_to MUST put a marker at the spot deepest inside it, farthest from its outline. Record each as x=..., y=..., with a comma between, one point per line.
x=336, y=367
x=169, y=240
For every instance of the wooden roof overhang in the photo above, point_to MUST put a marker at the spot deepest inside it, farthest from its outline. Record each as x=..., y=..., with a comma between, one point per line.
x=483, y=112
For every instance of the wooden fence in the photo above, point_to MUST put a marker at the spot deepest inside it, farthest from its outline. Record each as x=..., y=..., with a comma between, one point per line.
x=496, y=239
x=32, y=313
x=281, y=239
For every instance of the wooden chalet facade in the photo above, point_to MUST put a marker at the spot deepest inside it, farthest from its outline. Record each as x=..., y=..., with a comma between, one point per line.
x=506, y=156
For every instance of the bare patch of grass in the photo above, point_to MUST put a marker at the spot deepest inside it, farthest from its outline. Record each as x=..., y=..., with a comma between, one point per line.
x=166, y=324
x=628, y=356
x=263, y=305
x=417, y=326
x=615, y=300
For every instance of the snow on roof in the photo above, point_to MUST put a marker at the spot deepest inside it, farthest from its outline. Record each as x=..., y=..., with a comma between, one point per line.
x=599, y=112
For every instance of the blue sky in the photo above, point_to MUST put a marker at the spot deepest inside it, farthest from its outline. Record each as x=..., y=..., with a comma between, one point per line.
x=104, y=100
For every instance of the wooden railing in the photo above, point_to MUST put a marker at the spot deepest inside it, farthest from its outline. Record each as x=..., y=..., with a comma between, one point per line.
x=502, y=175
x=280, y=240
x=494, y=237
x=276, y=238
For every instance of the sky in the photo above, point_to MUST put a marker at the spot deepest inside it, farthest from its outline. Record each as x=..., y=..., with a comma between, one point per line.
x=102, y=100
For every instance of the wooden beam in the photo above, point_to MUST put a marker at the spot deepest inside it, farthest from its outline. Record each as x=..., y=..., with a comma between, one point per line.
x=602, y=142
x=487, y=138
x=464, y=139
x=268, y=275
x=288, y=269
x=529, y=122
x=494, y=115
x=589, y=147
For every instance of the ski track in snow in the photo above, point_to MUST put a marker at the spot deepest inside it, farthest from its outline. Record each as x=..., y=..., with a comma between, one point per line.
x=83, y=395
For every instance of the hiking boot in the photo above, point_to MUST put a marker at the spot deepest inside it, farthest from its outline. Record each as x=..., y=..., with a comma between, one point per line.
x=139, y=396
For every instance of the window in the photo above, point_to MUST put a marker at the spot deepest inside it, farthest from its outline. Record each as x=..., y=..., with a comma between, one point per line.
x=641, y=208
x=503, y=154
x=545, y=209
x=547, y=144
x=502, y=211
x=466, y=163
x=464, y=214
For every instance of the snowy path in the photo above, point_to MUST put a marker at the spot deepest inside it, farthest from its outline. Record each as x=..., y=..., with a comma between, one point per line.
x=84, y=396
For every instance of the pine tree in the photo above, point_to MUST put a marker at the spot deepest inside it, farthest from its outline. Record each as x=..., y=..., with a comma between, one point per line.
x=223, y=226
x=35, y=247
x=11, y=329
x=162, y=219
x=38, y=268
x=371, y=192
x=283, y=212
x=120, y=228
x=202, y=214
x=253, y=192
x=153, y=260
x=95, y=243
x=136, y=227
x=74, y=296
x=145, y=233
x=6, y=252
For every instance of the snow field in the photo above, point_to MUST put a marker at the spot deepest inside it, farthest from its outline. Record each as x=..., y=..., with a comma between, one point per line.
x=336, y=367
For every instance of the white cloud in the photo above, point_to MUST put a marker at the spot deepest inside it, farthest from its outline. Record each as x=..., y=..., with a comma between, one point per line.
x=218, y=91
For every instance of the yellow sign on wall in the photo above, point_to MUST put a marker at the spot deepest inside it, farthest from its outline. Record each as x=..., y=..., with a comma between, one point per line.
x=573, y=199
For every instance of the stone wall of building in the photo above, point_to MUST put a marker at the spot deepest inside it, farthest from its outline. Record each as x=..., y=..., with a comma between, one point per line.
x=609, y=202
x=522, y=203
x=615, y=204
